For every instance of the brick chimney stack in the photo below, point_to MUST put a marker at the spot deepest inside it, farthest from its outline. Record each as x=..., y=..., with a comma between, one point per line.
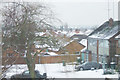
x=110, y=22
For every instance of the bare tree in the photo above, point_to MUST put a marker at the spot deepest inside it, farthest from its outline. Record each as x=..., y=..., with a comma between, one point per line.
x=21, y=22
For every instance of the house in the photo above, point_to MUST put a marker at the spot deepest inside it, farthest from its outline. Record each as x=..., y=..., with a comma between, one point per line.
x=78, y=37
x=67, y=47
x=52, y=55
x=117, y=44
x=84, y=53
x=102, y=43
x=72, y=47
x=118, y=48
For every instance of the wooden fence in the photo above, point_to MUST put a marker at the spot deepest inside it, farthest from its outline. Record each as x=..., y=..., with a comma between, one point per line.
x=42, y=59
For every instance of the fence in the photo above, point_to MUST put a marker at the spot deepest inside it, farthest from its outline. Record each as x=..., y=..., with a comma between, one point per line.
x=43, y=59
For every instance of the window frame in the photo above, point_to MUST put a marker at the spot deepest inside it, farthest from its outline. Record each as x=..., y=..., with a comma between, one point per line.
x=119, y=43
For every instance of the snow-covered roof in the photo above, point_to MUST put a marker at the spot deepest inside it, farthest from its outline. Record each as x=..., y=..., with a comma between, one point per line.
x=39, y=33
x=88, y=32
x=41, y=46
x=84, y=42
x=53, y=49
x=79, y=37
x=68, y=42
x=46, y=46
x=61, y=32
x=105, y=31
x=118, y=36
x=70, y=34
x=49, y=53
x=84, y=49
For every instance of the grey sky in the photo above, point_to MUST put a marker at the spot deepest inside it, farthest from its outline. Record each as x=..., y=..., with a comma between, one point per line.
x=82, y=12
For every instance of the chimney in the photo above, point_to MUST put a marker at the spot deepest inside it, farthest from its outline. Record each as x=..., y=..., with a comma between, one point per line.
x=110, y=22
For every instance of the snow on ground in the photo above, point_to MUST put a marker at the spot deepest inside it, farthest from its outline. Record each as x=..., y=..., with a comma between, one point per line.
x=59, y=71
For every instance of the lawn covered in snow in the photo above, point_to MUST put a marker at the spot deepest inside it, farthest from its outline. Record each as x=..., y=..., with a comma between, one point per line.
x=59, y=71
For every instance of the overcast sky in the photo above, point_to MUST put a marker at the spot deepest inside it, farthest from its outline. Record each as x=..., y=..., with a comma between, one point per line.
x=82, y=12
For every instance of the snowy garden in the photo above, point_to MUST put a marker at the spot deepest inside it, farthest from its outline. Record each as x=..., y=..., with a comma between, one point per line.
x=57, y=70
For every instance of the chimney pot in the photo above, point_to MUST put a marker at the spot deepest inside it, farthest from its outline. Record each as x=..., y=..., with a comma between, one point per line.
x=110, y=22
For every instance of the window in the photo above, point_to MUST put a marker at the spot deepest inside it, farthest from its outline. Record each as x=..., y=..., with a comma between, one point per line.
x=103, y=43
x=92, y=42
x=119, y=43
x=26, y=73
x=92, y=45
x=88, y=64
x=103, y=47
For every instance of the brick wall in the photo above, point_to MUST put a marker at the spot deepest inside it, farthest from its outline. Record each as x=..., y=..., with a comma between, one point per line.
x=117, y=48
x=58, y=59
x=90, y=56
x=43, y=59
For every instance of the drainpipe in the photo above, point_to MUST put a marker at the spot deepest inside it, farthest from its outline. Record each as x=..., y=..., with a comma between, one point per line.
x=97, y=51
x=87, y=44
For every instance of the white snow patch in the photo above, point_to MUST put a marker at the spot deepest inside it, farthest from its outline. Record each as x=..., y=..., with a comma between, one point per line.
x=118, y=36
x=50, y=53
x=84, y=49
x=40, y=33
x=54, y=49
x=59, y=71
x=84, y=42
x=68, y=42
x=41, y=46
x=105, y=34
x=69, y=34
x=88, y=32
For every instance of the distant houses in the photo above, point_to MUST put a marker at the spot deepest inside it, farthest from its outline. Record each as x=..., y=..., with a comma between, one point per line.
x=72, y=47
x=51, y=54
x=101, y=44
x=78, y=37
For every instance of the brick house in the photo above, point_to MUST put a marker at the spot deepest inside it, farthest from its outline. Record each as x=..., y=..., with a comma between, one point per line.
x=72, y=47
x=102, y=43
x=118, y=48
x=117, y=44
x=85, y=54
x=78, y=37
